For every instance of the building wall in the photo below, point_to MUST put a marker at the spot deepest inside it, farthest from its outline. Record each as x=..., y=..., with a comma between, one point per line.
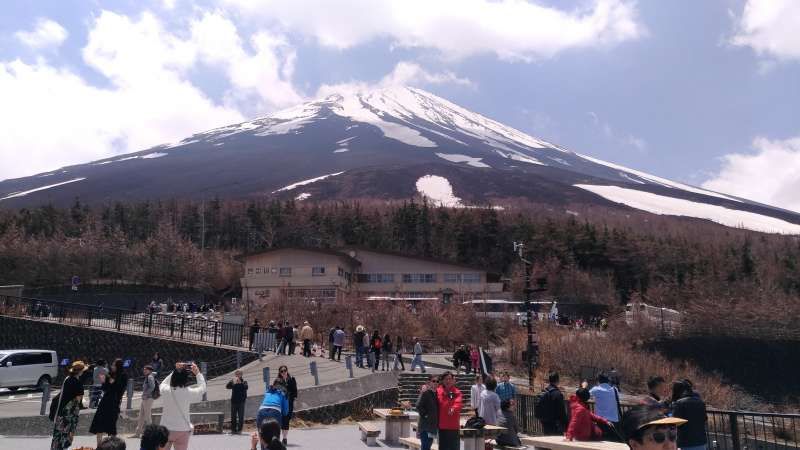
x=264, y=278
x=379, y=275
x=462, y=281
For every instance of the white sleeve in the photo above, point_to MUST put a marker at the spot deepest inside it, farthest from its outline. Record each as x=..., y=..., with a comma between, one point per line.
x=196, y=392
x=165, y=384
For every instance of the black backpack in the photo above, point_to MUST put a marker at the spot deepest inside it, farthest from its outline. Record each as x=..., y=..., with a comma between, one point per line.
x=156, y=391
x=54, y=407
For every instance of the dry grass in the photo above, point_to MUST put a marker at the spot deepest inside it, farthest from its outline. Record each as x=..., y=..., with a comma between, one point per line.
x=570, y=352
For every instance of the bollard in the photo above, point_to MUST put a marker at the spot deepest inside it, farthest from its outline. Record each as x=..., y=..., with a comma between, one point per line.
x=204, y=371
x=130, y=394
x=238, y=359
x=45, y=398
x=312, y=366
x=348, y=362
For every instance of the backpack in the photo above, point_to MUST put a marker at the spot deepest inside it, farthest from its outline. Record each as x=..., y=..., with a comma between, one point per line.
x=156, y=391
x=475, y=422
x=542, y=406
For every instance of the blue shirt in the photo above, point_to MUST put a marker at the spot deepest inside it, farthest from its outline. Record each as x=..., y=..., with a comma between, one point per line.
x=605, y=402
x=506, y=391
x=274, y=398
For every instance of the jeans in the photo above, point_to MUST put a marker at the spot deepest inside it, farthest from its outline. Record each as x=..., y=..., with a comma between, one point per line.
x=377, y=353
x=266, y=413
x=237, y=416
x=398, y=361
x=337, y=352
x=306, y=347
x=359, y=356
x=426, y=439
x=292, y=344
x=417, y=361
x=385, y=361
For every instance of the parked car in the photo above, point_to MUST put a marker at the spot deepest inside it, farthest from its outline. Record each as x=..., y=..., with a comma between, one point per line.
x=27, y=368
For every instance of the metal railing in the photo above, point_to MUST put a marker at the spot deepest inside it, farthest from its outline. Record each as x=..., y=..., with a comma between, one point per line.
x=725, y=430
x=181, y=326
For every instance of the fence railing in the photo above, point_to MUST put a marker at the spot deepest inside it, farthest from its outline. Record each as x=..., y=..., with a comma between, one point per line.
x=725, y=430
x=174, y=325
x=183, y=326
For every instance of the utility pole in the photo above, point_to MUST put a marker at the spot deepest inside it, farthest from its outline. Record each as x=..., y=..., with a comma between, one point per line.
x=532, y=348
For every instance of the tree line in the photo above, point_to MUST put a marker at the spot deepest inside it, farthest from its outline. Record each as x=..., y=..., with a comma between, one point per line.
x=587, y=254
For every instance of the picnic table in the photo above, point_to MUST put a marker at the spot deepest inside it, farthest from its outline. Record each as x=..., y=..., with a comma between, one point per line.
x=559, y=443
x=397, y=425
x=474, y=438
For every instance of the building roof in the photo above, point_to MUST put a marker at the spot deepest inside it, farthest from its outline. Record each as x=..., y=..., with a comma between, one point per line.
x=342, y=255
x=422, y=258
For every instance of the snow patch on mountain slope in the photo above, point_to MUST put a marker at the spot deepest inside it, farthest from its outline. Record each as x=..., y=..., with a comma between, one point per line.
x=42, y=188
x=303, y=196
x=438, y=190
x=661, y=204
x=153, y=155
x=458, y=158
x=657, y=180
x=344, y=142
x=305, y=182
x=341, y=150
x=352, y=107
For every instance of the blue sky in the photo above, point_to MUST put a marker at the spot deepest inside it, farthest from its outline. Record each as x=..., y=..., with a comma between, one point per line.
x=702, y=92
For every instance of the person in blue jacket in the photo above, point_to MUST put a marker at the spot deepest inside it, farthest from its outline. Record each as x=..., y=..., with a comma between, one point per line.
x=275, y=404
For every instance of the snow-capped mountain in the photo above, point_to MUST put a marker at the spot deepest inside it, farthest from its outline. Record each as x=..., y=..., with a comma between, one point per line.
x=389, y=143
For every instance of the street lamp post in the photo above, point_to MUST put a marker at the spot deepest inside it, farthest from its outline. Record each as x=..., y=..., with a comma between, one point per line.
x=532, y=348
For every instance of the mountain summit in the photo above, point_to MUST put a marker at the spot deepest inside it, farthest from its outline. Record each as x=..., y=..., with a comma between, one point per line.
x=391, y=143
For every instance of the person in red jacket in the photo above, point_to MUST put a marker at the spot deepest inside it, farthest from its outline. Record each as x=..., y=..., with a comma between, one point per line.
x=450, y=403
x=582, y=423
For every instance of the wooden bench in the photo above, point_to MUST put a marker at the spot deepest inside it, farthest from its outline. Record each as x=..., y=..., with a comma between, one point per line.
x=369, y=433
x=414, y=443
x=220, y=418
x=505, y=447
x=558, y=443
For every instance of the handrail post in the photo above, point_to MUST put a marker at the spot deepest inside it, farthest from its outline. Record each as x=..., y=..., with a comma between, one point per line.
x=119, y=321
x=216, y=330
x=734, y=425
x=89, y=322
x=150, y=329
x=182, y=323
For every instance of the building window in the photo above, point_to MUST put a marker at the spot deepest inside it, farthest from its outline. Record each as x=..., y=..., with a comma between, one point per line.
x=452, y=278
x=341, y=272
x=419, y=278
x=258, y=270
x=250, y=271
x=318, y=271
x=471, y=277
x=286, y=271
x=376, y=278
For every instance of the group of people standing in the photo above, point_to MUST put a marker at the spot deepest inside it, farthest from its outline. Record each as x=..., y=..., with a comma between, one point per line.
x=468, y=357
x=440, y=405
x=607, y=422
x=281, y=339
x=378, y=350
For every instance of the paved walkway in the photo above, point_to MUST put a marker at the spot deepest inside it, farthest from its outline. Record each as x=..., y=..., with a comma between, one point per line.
x=345, y=437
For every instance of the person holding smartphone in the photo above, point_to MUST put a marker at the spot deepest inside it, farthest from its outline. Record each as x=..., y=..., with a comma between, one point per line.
x=238, y=387
x=177, y=396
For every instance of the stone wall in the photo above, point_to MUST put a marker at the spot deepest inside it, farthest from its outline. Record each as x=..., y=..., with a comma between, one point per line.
x=80, y=342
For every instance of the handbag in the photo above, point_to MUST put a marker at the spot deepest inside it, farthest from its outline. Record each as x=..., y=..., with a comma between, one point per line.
x=475, y=422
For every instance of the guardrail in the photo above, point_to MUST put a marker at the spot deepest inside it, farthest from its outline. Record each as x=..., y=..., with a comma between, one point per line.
x=725, y=430
x=183, y=326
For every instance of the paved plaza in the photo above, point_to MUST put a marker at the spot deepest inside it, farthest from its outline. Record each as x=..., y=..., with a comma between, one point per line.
x=334, y=437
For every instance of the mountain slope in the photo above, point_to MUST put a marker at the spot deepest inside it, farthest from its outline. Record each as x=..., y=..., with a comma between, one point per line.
x=391, y=143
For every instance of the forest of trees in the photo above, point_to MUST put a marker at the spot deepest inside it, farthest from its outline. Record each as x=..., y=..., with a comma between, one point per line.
x=588, y=254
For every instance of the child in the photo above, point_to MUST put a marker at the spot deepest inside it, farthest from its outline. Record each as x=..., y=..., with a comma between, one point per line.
x=582, y=423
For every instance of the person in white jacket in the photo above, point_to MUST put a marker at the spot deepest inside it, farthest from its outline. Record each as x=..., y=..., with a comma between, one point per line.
x=177, y=397
x=475, y=393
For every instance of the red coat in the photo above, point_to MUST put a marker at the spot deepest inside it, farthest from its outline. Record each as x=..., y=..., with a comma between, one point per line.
x=582, y=422
x=448, y=420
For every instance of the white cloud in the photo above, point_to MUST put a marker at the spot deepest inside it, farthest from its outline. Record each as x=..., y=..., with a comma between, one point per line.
x=510, y=29
x=626, y=139
x=770, y=27
x=771, y=175
x=52, y=116
x=47, y=33
x=405, y=73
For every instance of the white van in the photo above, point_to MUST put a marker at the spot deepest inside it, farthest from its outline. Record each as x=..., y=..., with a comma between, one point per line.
x=27, y=368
